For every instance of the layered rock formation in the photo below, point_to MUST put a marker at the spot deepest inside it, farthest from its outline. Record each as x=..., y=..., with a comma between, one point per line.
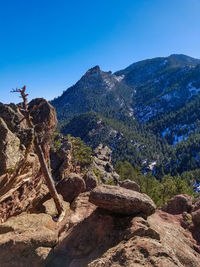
x=21, y=179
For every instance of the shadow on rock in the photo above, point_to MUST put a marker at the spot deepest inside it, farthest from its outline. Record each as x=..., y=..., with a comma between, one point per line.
x=90, y=239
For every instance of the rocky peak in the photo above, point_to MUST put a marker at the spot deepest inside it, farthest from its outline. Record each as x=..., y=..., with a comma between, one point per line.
x=95, y=76
x=95, y=69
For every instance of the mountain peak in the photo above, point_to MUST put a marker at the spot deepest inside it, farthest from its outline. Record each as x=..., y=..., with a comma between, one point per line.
x=179, y=56
x=184, y=59
x=95, y=69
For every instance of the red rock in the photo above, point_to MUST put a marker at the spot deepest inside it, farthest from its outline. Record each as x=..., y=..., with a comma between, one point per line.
x=120, y=200
x=196, y=217
x=90, y=180
x=71, y=186
x=196, y=205
x=179, y=240
x=128, y=184
x=178, y=204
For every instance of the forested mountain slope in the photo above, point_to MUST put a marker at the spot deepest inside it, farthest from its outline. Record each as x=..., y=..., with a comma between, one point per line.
x=147, y=113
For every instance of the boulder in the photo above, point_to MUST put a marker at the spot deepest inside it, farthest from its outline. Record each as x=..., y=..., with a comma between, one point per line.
x=196, y=204
x=196, y=217
x=71, y=186
x=128, y=184
x=178, y=204
x=90, y=180
x=121, y=200
x=44, y=118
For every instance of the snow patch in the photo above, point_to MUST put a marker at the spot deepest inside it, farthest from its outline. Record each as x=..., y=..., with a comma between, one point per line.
x=119, y=78
x=192, y=89
x=165, y=132
x=131, y=112
x=152, y=165
x=165, y=62
x=110, y=84
x=167, y=97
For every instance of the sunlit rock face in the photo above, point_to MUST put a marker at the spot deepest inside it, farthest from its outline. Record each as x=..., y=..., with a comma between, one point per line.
x=21, y=179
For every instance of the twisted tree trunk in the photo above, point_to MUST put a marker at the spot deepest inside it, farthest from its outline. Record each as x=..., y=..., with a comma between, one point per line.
x=40, y=154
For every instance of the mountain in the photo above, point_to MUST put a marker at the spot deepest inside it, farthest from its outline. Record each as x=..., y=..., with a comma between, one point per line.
x=162, y=84
x=98, y=91
x=147, y=113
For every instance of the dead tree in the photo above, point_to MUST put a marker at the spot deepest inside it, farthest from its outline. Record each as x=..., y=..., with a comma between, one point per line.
x=45, y=171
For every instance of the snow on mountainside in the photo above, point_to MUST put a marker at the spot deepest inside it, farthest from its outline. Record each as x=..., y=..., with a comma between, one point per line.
x=98, y=91
x=154, y=103
x=162, y=84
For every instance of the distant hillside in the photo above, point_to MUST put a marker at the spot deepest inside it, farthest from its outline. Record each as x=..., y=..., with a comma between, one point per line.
x=147, y=113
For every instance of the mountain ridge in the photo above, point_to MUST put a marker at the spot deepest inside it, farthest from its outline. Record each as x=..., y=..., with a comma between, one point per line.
x=133, y=108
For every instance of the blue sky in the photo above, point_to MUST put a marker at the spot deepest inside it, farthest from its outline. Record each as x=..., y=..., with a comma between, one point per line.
x=49, y=44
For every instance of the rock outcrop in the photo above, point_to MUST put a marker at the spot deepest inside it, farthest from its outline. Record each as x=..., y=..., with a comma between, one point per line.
x=120, y=200
x=9, y=147
x=95, y=237
x=178, y=204
x=20, y=176
x=180, y=241
x=196, y=204
x=196, y=217
x=93, y=231
x=128, y=184
x=45, y=121
x=91, y=180
x=102, y=164
x=90, y=236
x=61, y=157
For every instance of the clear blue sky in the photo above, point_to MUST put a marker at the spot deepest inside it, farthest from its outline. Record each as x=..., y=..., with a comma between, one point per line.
x=49, y=44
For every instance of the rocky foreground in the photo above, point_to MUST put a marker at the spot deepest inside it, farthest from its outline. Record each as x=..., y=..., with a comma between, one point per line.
x=105, y=225
x=92, y=236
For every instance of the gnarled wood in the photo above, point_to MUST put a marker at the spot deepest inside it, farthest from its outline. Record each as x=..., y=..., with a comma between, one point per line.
x=40, y=154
